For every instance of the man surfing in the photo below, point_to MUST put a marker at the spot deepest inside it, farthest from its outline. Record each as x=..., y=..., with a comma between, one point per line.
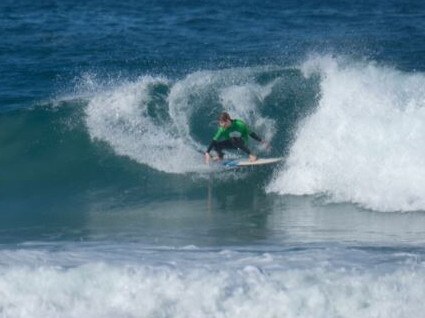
x=231, y=134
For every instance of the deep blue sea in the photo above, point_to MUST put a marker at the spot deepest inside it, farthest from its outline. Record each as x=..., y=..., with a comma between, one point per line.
x=108, y=210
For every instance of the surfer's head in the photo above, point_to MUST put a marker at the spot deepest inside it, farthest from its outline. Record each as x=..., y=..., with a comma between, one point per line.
x=224, y=120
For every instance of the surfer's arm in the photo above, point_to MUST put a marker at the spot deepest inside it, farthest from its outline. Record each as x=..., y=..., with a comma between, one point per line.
x=211, y=146
x=215, y=139
x=207, y=153
x=254, y=136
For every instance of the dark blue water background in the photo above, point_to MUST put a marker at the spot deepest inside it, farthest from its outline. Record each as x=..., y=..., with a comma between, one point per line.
x=46, y=44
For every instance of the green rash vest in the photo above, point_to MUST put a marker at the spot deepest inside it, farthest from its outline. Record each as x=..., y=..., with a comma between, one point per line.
x=237, y=129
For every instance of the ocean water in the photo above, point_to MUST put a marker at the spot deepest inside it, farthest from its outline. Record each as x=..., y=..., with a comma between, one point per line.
x=106, y=206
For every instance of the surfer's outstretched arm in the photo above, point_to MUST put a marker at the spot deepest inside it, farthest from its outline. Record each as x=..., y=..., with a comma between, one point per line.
x=211, y=146
x=207, y=153
x=254, y=136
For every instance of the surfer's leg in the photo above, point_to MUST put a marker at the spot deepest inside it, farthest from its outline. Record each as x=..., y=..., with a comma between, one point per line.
x=239, y=143
x=219, y=146
x=232, y=143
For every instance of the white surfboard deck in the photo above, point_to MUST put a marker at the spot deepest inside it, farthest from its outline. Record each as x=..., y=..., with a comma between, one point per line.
x=246, y=163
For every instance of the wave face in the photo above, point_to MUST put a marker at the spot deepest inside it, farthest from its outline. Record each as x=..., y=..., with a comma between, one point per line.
x=365, y=142
x=350, y=131
x=163, y=123
x=113, y=142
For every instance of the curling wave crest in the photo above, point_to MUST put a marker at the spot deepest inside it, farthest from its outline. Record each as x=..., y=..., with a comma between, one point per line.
x=365, y=142
x=150, y=120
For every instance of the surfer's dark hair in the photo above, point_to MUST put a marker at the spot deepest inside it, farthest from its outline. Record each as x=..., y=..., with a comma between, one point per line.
x=224, y=116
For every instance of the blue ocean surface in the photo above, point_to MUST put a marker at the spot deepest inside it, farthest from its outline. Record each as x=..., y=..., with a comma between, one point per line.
x=107, y=208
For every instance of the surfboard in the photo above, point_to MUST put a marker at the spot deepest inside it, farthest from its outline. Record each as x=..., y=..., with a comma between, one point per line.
x=236, y=163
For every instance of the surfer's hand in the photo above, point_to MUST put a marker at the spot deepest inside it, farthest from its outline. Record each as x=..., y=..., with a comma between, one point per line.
x=207, y=158
x=252, y=158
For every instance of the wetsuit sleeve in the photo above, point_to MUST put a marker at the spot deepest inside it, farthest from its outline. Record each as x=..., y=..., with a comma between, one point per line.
x=218, y=134
x=216, y=137
x=210, y=147
x=253, y=135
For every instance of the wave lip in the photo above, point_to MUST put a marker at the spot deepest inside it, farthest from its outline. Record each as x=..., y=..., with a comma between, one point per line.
x=365, y=143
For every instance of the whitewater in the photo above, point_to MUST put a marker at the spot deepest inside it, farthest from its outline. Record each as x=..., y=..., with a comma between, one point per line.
x=307, y=238
x=292, y=282
x=364, y=142
x=360, y=142
x=108, y=210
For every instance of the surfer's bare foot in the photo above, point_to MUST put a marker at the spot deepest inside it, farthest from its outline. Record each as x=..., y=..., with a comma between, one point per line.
x=252, y=158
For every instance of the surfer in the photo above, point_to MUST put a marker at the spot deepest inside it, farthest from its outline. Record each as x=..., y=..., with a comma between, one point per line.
x=231, y=134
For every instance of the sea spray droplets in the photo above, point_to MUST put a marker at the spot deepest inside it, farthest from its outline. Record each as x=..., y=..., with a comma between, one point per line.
x=366, y=141
x=101, y=290
x=244, y=101
x=123, y=117
x=234, y=90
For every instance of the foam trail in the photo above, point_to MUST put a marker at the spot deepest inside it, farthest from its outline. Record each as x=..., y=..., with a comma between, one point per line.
x=365, y=143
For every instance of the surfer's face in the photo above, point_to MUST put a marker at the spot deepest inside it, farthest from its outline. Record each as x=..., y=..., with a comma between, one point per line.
x=224, y=123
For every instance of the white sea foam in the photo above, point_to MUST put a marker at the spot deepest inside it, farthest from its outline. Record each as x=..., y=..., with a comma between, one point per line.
x=243, y=102
x=365, y=143
x=222, y=285
x=120, y=116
